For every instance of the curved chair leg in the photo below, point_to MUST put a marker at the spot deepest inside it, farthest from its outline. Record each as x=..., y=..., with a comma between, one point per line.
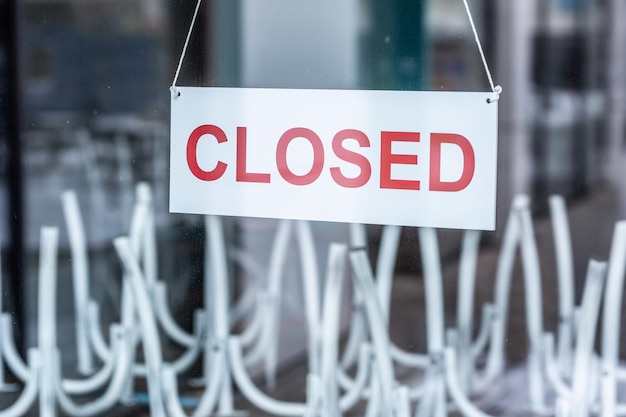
x=504, y=271
x=165, y=319
x=4, y=386
x=251, y=392
x=120, y=341
x=272, y=300
x=534, y=312
x=14, y=361
x=356, y=388
x=611, y=323
x=553, y=374
x=98, y=379
x=311, y=285
x=384, y=374
x=330, y=330
x=565, y=276
x=465, y=305
x=385, y=265
x=208, y=401
x=466, y=407
x=435, y=327
x=357, y=331
x=147, y=321
x=27, y=398
x=585, y=338
x=80, y=279
x=46, y=321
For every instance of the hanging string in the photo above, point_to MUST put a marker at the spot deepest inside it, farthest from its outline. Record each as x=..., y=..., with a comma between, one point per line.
x=173, y=88
x=495, y=88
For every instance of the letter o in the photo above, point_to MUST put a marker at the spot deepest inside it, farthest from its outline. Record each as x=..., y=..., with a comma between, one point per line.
x=318, y=156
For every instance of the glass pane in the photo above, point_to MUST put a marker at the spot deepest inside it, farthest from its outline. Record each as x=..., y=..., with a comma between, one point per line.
x=94, y=129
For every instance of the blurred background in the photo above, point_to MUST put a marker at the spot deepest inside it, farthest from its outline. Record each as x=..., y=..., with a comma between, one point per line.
x=84, y=105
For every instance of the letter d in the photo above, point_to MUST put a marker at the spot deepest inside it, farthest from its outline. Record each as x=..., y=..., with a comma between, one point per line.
x=469, y=162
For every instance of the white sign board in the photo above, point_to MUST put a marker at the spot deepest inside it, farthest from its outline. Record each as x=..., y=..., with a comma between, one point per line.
x=375, y=157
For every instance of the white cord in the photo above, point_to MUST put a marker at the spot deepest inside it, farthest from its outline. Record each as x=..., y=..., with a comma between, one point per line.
x=173, y=88
x=495, y=88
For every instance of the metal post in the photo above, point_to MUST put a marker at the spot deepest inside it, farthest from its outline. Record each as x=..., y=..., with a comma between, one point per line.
x=514, y=64
x=14, y=284
x=616, y=94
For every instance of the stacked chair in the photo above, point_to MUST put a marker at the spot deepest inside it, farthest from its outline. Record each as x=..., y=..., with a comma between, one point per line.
x=350, y=370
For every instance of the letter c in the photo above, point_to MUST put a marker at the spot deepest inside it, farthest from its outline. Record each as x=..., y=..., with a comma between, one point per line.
x=192, y=148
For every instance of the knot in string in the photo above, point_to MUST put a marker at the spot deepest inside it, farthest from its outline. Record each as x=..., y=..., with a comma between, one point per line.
x=497, y=90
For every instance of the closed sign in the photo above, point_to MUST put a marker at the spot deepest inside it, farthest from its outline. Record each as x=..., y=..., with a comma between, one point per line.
x=375, y=157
